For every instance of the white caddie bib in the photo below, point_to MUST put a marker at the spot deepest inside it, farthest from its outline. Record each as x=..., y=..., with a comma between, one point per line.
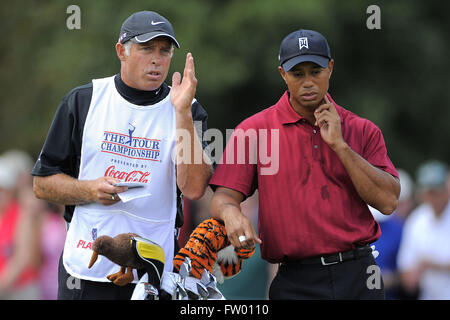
x=131, y=143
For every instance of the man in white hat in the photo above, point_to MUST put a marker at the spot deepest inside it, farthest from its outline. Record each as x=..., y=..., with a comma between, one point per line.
x=424, y=255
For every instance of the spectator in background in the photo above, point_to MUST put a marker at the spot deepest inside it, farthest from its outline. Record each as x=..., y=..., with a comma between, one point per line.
x=424, y=256
x=18, y=240
x=407, y=200
x=22, y=164
x=391, y=232
x=43, y=228
x=53, y=236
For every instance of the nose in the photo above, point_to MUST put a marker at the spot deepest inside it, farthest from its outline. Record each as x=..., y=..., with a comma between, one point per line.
x=156, y=59
x=308, y=83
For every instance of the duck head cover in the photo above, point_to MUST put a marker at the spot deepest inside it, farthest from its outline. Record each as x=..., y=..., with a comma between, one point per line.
x=130, y=251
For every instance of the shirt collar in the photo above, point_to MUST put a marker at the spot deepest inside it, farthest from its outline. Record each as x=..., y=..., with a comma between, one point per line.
x=288, y=115
x=285, y=110
x=140, y=97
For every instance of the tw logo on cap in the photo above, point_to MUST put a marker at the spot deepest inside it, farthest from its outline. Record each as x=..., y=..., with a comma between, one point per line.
x=303, y=43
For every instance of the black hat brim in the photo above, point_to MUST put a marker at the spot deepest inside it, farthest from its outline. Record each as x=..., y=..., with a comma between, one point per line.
x=320, y=60
x=151, y=35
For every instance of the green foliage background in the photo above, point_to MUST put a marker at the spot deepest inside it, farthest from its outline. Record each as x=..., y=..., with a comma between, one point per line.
x=397, y=76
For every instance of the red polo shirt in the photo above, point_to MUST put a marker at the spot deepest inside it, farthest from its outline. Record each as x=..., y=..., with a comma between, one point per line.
x=308, y=205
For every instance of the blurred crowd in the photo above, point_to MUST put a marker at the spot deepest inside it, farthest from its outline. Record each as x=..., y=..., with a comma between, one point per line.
x=32, y=234
x=414, y=246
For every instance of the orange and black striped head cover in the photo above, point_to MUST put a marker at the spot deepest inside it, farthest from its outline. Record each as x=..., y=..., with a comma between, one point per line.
x=233, y=265
x=207, y=239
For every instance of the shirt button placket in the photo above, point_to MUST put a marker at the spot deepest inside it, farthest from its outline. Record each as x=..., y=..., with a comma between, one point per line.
x=315, y=139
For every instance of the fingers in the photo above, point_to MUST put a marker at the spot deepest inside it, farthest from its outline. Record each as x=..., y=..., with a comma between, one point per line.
x=326, y=106
x=226, y=205
x=176, y=80
x=188, y=73
x=183, y=90
x=189, y=68
x=108, y=199
x=107, y=193
x=325, y=112
x=250, y=238
x=323, y=118
x=320, y=115
x=244, y=236
x=329, y=122
x=110, y=188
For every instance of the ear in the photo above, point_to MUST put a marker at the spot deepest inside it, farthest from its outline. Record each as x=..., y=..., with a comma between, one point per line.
x=282, y=72
x=330, y=67
x=120, y=50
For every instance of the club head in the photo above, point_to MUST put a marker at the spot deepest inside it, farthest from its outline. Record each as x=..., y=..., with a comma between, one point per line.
x=164, y=295
x=184, y=271
x=205, y=277
x=208, y=279
x=187, y=261
x=214, y=293
x=175, y=279
x=192, y=295
x=181, y=291
x=202, y=291
x=151, y=291
x=212, y=280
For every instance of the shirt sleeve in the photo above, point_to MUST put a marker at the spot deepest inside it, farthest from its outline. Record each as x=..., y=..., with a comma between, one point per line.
x=237, y=169
x=61, y=152
x=375, y=151
x=200, y=118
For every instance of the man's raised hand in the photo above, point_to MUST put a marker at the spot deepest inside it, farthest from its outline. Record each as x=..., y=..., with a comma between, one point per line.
x=329, y=122
x=183, y=90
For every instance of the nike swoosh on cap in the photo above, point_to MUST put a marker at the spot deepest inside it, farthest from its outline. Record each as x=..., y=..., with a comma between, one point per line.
x=156, y=23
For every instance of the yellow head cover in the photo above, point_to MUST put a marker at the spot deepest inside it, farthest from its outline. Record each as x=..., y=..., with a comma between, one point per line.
x=152, y=256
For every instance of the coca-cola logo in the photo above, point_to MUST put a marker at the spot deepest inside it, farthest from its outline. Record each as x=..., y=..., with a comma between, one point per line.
x=132, y=176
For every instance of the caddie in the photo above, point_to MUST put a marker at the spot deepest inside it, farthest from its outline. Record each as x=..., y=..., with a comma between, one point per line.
x=124, y=128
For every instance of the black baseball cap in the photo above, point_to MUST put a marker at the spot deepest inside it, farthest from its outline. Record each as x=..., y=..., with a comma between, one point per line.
x=143, y=26
x=301, y=46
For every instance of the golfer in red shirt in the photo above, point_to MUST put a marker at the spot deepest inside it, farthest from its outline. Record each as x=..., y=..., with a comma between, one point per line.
x=316, y=166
